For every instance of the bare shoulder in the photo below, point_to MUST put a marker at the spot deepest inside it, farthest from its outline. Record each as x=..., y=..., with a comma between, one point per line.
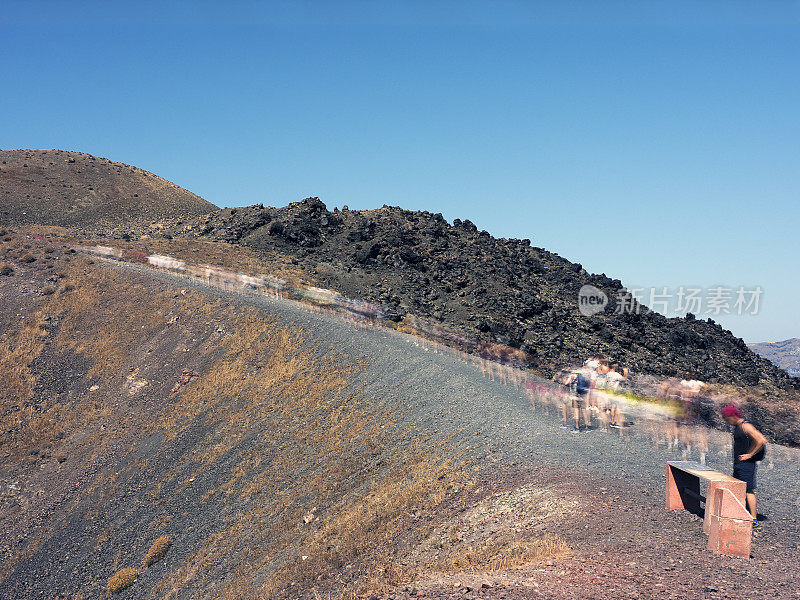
x=750, y=429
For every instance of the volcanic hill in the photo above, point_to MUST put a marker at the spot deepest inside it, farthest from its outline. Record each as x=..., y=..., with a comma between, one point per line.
x=72, y=189
x=504, y=291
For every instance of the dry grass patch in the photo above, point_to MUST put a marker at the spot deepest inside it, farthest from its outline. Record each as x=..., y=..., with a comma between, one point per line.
x=158, y=550
x=17, y=352
x=105, y=318
x=500, y=555
x=97, y=314
x=496, y=533
x=122, y=580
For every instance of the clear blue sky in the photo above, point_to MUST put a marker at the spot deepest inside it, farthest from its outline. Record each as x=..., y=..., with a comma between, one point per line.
x=656, y=142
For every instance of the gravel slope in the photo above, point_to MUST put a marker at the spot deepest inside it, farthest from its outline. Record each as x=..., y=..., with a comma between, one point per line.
x=436, y=389
x=608, y=487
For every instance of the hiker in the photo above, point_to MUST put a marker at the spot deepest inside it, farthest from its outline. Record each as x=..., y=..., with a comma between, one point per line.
x=748, y=448
x=614, y=377
x=602, y=370
x=613, y=380
x=579, y=386
x=565, y=378
x=670, y=390
x=592, y=363
x=591, y=398
x=689, y=393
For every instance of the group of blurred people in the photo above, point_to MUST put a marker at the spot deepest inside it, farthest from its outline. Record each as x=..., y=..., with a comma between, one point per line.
x=602, y=395
x=593, y=398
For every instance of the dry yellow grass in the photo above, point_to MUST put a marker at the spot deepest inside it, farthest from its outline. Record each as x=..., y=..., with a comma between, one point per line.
x=501, y=555
x=100, y=316
x=122, y=580
x=158, y=550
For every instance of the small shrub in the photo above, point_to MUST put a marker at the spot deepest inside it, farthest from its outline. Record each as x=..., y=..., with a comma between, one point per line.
x=28, y=258
x=6, y=270
x=122, y=580
x=157, y=550
x=68, y=287
x=47, y=290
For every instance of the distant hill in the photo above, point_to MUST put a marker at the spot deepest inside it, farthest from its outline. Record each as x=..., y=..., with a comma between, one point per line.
x=502, y=291
x=72, y=189
x=785, y=354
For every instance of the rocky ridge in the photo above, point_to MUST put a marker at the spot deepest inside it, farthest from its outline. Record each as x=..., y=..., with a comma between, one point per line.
x=505, y=291
x=785, y=354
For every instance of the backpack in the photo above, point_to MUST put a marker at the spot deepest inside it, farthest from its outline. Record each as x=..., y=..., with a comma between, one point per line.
x=582, y=384
x=762, y=452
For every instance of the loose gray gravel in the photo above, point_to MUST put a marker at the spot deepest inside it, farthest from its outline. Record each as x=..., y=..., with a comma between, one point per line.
x=437, y=390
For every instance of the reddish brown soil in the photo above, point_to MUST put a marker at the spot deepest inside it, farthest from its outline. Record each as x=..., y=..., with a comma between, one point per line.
x=624, y=544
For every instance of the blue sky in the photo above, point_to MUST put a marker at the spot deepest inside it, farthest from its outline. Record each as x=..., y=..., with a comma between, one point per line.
x=656, y=142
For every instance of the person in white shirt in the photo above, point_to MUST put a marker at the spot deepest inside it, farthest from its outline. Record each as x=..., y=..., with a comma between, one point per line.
x=591, y=366
x=613, y=380
x=689, y=393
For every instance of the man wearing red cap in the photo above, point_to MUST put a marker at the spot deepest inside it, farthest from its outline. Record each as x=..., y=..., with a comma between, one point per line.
x=748, y=449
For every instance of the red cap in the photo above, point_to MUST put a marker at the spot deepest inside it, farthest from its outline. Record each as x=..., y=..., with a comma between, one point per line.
x=731, y=411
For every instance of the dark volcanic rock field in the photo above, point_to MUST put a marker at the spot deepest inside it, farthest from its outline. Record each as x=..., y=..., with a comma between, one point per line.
x=500, y=290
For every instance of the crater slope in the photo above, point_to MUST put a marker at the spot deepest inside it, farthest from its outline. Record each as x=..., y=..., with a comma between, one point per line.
x=77, y=190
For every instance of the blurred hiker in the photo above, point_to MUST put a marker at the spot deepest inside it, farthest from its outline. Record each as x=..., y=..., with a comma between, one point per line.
x=614, y=377
x=565, y=378
x=749, y=446
x=580, y=385
x=592, y=397
x=602, y=370
x=689, y=393
x=670, y=390
x=613, y=380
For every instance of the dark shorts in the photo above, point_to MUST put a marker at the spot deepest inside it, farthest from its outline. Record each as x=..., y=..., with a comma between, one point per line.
x=746, y=471
x=579, y=401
